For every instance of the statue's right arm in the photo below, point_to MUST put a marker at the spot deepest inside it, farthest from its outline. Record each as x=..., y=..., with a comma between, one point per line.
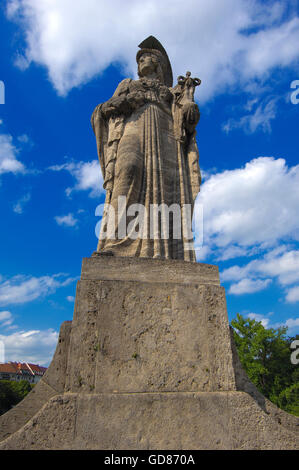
x=118, y=104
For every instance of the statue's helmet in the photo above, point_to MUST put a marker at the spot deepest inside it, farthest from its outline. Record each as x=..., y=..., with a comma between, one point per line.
x=153, y=46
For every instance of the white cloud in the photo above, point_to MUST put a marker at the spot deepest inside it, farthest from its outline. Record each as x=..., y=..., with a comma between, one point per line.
x=30, y=346
x=260, y=119
x=285, y=266
x=292, y=322
x=255, y=206
x=293, y=295
x=249, y=286
x=260, y=318
x=70, y=298
x=88, y=176
x=24, y=139
x=18, y=208
x=234, y=252
x=6, y=319
x=67, y=220
x=282, y=265
x=271, y=47
x=277, y=264
x=252, y=212
x=202, y=252
x=21, y=289
x=76, y=41
x=8, y=156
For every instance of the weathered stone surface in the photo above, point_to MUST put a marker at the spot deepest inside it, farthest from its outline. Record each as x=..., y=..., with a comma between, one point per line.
x=53, y=427
x=110, y=268
x=149, y=337
x=180, y=420
x=146, y=142
x=147, y=365
x=51, y=384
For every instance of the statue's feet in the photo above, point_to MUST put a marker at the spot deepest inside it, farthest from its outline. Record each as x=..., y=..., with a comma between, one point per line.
x=102, y=253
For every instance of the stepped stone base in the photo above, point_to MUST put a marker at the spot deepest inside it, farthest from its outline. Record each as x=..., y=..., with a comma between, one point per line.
x=148, y=362
x=174, y=420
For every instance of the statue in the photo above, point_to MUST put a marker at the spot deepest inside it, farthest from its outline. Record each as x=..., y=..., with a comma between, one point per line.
x=148, y=154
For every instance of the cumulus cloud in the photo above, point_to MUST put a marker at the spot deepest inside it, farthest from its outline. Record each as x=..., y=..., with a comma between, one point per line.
x=87, y=175
x=291, y=323
x=6, y=319
x=293, y=295
x=252, y=212
x=22, y=289
x=260, y=318
x=8, y=156
x=33, y=346
x=76, y=41
x=256, y=275
x=276, y=263
x=248, y=286
x=256, y=205
x=284, y=266
x=66, y=220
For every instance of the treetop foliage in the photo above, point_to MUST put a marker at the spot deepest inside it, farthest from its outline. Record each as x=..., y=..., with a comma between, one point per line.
x=265, y=354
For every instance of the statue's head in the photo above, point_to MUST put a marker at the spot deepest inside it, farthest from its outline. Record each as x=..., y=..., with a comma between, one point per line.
x=152, y=57
x=150, y=62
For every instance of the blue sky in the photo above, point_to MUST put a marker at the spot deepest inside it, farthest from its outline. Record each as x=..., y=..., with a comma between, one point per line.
x=59, y=59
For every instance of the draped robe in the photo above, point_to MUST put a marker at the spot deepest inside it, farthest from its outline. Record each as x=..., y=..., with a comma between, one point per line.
x=146, y=159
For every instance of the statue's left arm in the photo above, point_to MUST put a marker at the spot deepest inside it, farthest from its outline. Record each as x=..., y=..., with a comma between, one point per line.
x=184, y=103
x=191, y=115
x=185, y=117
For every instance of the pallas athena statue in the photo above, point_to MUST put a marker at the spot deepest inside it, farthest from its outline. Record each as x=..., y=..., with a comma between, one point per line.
x=148, y=154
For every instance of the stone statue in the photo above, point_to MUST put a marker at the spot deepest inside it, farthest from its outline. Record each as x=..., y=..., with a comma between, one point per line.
x=149, y=159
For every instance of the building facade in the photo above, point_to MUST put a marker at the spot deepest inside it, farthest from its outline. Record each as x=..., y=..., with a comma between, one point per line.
x=21, y=371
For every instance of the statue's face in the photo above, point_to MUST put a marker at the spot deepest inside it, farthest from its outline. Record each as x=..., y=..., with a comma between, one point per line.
x=147, y=64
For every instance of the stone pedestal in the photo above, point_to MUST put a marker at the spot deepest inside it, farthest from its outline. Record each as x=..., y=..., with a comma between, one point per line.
x=148, y=362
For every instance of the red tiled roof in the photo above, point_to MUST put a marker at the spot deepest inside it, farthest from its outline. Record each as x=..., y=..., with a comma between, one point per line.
x=19, y=368
x=37, y=368
x=9, y=368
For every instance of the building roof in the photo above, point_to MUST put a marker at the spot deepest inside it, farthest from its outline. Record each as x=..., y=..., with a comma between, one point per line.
x=22, y=368
x=37, y=369
x=9, y=367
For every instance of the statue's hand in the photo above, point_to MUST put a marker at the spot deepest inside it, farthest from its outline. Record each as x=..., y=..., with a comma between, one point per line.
x=136, y=99
x=116, y=106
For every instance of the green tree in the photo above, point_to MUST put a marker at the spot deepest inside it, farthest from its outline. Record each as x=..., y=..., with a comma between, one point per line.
x=265, y=355
x=288, y=399
x=12, y=392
